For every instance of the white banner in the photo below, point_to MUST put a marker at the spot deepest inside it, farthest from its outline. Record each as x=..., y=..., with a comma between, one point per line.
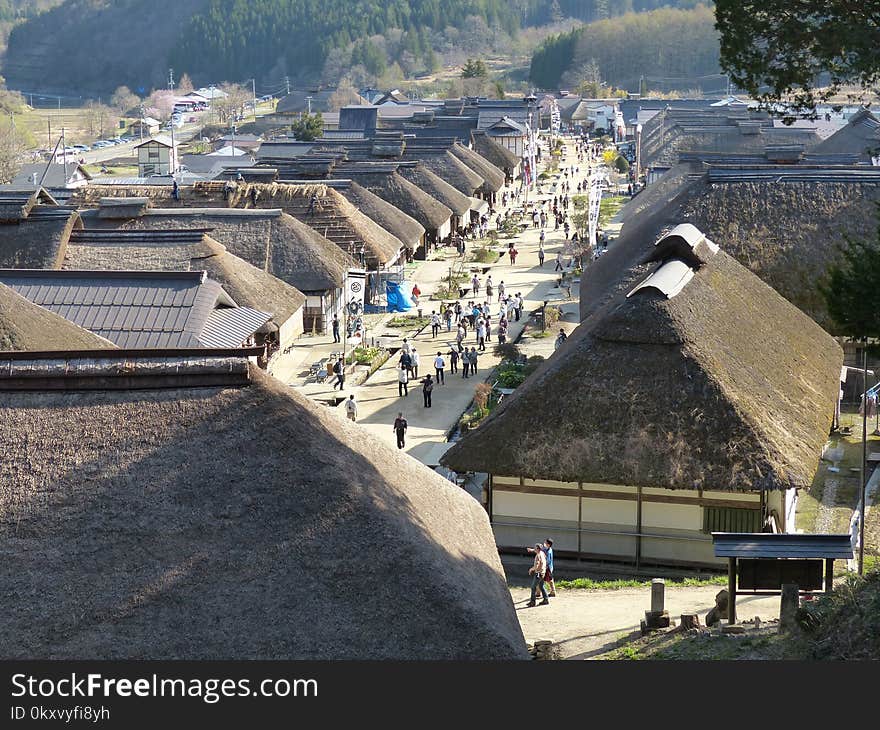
x=355, y=289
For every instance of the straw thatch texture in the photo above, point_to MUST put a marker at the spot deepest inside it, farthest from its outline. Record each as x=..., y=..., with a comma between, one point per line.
x=437, y=188
x=401, y=193
x=26, y=326
x=860, y=136
x=493, y=177
x=271, y=240
x=788, y=233
x=37, y=242
x=495, y=153
x=245, y=283
x=725, y=386
x=234, y=523
x=403, y=227
x=450, y=169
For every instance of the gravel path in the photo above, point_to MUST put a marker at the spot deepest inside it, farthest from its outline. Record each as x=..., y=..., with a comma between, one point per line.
x=585, y=623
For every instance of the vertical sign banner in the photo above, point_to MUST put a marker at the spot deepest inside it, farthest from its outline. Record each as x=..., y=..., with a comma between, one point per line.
x=355, y=287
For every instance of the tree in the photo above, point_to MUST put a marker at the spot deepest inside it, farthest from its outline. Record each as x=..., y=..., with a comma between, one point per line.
x=231, y=106
x=124, y=100
x=13, y=146
x=474, y=68
x=777, y=51
x=160, y=104
x=308, y=127
x=621, y=164
x=499, y=90
x=185, y=85
x=100, y=118
x=345, y=94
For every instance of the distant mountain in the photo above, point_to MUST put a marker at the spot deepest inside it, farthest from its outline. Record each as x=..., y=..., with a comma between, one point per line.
x=93, y=46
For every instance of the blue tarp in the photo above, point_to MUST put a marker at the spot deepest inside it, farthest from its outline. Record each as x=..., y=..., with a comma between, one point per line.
x=399, y=296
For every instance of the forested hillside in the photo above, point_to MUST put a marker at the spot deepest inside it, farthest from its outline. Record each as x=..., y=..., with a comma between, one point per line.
x=667, y=43
x=13, y=12
x=96, y=45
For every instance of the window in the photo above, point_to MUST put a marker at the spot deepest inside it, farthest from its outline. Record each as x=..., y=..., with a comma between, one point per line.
x=731, y=519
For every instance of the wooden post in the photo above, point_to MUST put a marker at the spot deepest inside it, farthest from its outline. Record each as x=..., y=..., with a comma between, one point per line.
x=731, y=589
x=829, y=575
x=580, y=514
x=638, y=527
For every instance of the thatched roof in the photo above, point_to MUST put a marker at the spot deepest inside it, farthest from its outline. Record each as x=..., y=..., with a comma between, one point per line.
x=860, y=136
x=164, y=248
x=17, y=201
x=436, y=187
x=787, y=232
x=493, y=177
x=395, y=221
x=38, y=241
x=495, y=153
x=234, y=522
x=723, y=385
x=448, y=168
x=26, y=326
x=400, y=192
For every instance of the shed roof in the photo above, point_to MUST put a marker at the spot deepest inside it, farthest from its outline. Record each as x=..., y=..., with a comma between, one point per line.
x=774, y=545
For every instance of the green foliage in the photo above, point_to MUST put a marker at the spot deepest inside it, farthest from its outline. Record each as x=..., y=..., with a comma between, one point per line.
x=483, y=255
x=408, y=322
x=850, y=290
x=786, y=44
x=590, y=584
x=474, y=69
x=363, y=355
x=308, y=127
x=621, y=164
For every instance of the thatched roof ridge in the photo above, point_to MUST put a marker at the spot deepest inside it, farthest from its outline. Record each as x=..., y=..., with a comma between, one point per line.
x=437, y=188
x=183, y=524
x=38, y=241
x=404, y=227
x=495, y=153
x=860, y=136
x=786, y=232
x=451, y=170
x=401, y=193
x=27, y=326
x=493, y=177
x=723, y=386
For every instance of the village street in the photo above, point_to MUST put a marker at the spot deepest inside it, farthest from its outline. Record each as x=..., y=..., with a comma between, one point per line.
x=377, y=398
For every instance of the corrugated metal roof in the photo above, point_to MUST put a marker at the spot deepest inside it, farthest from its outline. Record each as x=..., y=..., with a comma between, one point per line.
x=770, y=545
x=669, y=279
x=232, y=326
x=132, y=309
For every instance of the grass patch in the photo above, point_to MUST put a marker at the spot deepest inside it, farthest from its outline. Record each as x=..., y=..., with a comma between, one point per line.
x=541, y=335
x=609, y=207
x=406, y=322
x=617, y=584
x=484, y=255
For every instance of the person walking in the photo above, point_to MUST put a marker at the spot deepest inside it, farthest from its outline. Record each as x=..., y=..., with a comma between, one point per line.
x=351, y=408
x=488, y=323
x=458, y=311
x=336, y=329
x=481, y=335
x=460, y=335
x=559, y=260
x=560, y=338
x=448, y=317
x=513, y=253
x=406, y=346
x=453, y=359
x=539, y=567
x=406, y=362
x=339, y=372
x=518, y=307
x=399, y=428
x=473, y=360
x=502, y=331
x=489, y=286
x=402, y=381
x=501, y=288
x=475, y=285
x=415, y=362
x=541, y=255
x=435, y=324
x=548, y=575
x=465, y=363
x=427, y=388
x=439, y=365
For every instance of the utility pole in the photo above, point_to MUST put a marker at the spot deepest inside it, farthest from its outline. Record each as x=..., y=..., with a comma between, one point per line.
x=287, y=81
x=309, y=101
x=64, y=151
x=254, y=89
x=864, y=471
x=170, y=79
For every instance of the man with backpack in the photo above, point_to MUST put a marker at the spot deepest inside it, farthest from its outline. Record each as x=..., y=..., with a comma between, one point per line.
x=427, y=388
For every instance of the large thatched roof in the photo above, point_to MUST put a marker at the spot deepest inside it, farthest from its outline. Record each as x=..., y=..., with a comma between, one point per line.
x=786, y=231
x=38, y=241
x=234, y=522
x=860, y=136
x=26, y=326
x=405, y=228
x=385, y=182
x=448, y=168
x=493, y=177
x=164, y=248
x=498, y=155
x=436, y=187
x=723, y=385
x=269, y=239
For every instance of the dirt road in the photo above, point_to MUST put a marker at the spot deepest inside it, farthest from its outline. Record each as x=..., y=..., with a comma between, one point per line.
x=586, y=623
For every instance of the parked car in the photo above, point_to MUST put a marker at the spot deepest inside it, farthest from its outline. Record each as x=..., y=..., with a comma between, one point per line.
x=81, y=147
x=100, y=144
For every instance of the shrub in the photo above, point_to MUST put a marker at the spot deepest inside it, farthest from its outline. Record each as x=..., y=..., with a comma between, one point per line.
x=413, y=321
x=551, y=315
x=363, y=355
x=621, y=164
x=484, y=255
x=507, y=351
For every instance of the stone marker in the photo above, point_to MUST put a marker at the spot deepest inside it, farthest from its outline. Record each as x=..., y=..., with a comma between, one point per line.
x=788, y=606
x=658, y=592
x=690, y=621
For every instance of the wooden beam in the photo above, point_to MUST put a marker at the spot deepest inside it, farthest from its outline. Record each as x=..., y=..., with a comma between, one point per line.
x=829, y=576
x=638, y=528
x=731, y=590
x=628, y=496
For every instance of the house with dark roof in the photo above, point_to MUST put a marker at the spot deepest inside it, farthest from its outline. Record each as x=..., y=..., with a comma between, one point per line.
x=696, y=400
x=143, y=309
x=52, y=176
